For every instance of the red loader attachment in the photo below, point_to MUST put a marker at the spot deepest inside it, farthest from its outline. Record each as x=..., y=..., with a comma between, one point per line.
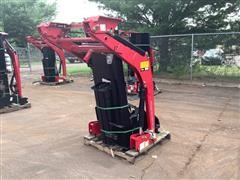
x=123, y=129
x=11, y=97
x=51, y=72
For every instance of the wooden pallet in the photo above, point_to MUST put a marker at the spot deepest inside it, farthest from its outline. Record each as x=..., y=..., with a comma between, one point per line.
x=14, y=107
x=129, y=155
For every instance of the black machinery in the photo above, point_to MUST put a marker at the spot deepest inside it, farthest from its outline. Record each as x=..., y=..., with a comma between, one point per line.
x=10, y=85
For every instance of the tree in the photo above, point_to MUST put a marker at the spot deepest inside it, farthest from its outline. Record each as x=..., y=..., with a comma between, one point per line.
x=161, y=17
x=174, y=16
x=20, y=18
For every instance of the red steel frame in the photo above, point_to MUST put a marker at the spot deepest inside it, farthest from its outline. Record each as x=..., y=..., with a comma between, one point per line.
x=39, y=43
x=16, y=66
x=92, y=26
x=134, y=88
x=100, y=29
x=56, y=34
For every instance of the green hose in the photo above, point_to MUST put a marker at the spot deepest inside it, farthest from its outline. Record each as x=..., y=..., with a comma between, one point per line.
x=120, y=132
x=112, y=108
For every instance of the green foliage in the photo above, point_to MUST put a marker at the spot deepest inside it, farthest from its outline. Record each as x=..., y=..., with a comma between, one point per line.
x=221, y=72
x=226, y=72
x=174, y=16
x=20, y=18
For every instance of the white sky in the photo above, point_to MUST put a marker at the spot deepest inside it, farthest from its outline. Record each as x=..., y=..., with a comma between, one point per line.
x=75, y=10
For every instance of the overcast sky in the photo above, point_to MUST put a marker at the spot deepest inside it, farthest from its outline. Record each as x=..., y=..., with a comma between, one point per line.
x=75, y=10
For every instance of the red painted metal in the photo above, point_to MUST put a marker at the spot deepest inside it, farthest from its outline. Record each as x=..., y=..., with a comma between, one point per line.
x=133, y=89
x=101, y=24
x=56, y=33
x=16, y=66
x=78, y=40
x=94, y=128
x=140, y=141
x=38, y=43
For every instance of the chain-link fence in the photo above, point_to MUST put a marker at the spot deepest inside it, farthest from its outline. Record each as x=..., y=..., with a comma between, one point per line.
x=29, y=56
x=33, y=57
x=207, y=56
x=34, y=53
x=24, y=57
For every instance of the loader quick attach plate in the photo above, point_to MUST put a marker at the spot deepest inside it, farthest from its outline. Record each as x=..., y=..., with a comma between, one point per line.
x=14, y=107
x=115, y=150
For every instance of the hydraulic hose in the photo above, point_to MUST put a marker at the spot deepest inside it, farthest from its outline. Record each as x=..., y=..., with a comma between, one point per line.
x=141, y=113
x=12, y=88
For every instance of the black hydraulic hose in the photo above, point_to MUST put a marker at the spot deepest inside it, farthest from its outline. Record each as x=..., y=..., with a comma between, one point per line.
x=12, y=88
x=60, y=67
x=141, y=113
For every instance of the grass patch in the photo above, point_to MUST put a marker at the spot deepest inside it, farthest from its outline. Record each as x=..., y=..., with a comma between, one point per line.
x=217, y=72
x=79, y=69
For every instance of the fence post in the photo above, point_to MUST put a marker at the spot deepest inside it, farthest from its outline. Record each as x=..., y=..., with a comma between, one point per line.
x=191, y=61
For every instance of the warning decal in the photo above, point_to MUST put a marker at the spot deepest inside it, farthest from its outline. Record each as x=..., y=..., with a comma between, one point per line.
x=144, y=65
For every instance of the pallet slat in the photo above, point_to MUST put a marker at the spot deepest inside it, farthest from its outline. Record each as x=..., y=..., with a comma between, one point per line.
x=118, y=151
